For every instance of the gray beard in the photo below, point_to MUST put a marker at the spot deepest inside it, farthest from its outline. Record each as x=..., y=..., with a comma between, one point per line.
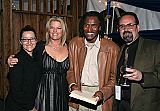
x=127, y=37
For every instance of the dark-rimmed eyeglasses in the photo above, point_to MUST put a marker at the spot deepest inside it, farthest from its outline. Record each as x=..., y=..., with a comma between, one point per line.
x=129, y=26
x=28, y=40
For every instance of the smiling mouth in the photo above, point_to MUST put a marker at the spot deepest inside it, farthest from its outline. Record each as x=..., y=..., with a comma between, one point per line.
x=53, y=34
x=89, y=33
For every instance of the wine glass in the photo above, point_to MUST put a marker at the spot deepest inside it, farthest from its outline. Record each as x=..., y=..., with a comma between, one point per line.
x=124, y=81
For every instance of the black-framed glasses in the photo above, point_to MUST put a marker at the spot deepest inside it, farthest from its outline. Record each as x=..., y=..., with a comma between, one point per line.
x=129, y=26
x=28, y=40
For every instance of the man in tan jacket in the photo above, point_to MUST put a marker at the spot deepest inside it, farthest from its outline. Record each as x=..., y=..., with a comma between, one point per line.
x=93, y=61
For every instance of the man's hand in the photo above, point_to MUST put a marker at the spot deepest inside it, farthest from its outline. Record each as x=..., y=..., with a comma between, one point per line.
x=74, y=87
x=12, y=61
x=98, y=95
x=133, y=74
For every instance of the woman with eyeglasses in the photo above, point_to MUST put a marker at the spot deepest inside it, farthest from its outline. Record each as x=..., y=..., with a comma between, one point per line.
x=53, y=93
x=25, y=75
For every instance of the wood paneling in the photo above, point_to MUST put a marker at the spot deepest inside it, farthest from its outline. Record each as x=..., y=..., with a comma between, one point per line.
x=1, y=76
x=16, y=31
x=6, y=43
x=12, y=20
x=74, y=12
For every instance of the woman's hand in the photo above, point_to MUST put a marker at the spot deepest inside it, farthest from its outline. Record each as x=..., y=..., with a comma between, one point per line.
x=12, y=61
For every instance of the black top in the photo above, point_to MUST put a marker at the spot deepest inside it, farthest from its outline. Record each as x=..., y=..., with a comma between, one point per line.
x=23, y=79
x=53, y=88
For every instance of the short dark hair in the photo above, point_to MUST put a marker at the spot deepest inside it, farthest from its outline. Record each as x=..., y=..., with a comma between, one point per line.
x=95, y=14
x=131, y=14
x=27, y=28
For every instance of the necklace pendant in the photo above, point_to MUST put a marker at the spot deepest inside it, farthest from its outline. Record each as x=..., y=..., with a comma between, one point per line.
x=55, y=48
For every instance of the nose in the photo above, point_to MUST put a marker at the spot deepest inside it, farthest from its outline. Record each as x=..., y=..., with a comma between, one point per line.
x=89, y=28
x=29, y=41
x=54, y=30
x=126, y=28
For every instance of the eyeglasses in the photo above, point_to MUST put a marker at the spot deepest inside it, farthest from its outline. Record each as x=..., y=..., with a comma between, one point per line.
x=27, y=40
x=129, y=26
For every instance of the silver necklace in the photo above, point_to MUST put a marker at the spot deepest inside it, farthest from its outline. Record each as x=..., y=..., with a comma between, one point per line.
x=55, y=48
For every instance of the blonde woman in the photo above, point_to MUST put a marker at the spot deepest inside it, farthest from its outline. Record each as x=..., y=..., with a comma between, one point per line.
x=53, y=88
x=53, y=54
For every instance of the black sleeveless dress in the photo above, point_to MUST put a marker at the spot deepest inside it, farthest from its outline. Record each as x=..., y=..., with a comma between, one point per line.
x=53, y=88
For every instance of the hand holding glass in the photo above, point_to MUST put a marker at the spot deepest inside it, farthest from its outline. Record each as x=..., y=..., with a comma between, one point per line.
x=123, y=81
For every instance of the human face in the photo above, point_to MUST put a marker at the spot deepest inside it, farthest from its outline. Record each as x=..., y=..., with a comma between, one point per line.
x=128, y=29
x=91, y=28
x=28, y=41
x=55, y=30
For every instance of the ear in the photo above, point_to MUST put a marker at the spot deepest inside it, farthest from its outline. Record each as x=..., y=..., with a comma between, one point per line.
x=117, y=28
x=138, y=28
x=100, y=28
x=20, y=42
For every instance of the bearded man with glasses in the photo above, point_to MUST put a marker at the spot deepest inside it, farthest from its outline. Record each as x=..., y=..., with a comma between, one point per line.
x=142, y=75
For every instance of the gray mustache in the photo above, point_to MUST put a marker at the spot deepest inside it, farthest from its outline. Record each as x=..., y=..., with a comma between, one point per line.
x=126, y=32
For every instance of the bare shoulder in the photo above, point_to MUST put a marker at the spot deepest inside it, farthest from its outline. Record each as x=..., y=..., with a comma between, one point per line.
x=64, y=49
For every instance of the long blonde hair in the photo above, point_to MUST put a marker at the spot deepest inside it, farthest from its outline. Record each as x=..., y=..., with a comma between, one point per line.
x=64, y=29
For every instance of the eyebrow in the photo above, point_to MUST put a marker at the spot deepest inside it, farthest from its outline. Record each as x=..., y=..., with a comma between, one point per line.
x=92, y=23
x=30, y=37
x=128, y=24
